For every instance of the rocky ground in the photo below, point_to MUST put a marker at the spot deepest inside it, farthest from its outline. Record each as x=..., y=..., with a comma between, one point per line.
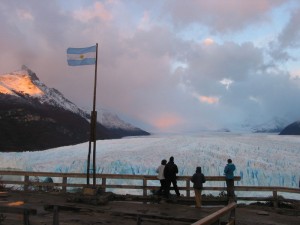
x=76, y=209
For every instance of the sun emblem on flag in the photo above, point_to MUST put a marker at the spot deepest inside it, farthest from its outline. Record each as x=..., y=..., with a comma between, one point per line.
x=81, y=56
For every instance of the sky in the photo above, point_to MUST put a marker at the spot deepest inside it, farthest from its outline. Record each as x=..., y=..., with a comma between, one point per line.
x=164, y=65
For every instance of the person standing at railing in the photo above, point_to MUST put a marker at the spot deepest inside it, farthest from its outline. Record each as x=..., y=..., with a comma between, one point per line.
x=161, y=177
x=229, y=174
x=198, y=179
x=170, y=173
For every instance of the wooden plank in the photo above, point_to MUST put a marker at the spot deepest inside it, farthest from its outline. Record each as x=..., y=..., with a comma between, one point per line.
x=216, y=215
x=255, y=198
x=17, y=209
x=3, y=194
x=264, y=188
x=66, y=207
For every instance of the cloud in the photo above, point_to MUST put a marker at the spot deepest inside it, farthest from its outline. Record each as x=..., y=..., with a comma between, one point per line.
x=207, y=65
x=209, y=99
x=295, y=74
x=226, y=82
x=167, y=122
x=98, y=10
x=290, y=35
x=221, y=16
x=146, y=70
x=254, y=99
x=208, y=41
x=145, y=22
x=24, y=14
x=206, y=99
x=288, y=39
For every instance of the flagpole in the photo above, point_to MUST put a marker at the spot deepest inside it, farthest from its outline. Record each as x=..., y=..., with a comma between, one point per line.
x=92, y=140
x=95, y=119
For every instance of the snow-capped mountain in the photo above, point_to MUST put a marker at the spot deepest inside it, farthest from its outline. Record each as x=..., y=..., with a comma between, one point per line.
x=31, y=113
x=275, y=125
x=112, y=121
x=26, y=83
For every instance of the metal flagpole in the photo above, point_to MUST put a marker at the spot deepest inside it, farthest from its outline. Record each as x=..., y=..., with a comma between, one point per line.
x=95, y=120
x=92, y=140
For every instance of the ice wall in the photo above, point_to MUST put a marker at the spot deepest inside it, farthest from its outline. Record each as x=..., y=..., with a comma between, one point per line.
x=261, y=159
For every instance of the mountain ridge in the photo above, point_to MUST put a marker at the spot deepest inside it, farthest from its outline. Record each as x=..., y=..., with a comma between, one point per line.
x=291, y=129
x=31, y=107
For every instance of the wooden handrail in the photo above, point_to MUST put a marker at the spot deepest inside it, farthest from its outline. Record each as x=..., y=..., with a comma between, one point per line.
x=100, y=175
x=210, y=219
x=144, y=185
x=266, y=188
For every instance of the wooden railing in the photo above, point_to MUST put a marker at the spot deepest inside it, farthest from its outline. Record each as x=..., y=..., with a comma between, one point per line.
x=35, y=179
x=28, y=180
x=216, y=216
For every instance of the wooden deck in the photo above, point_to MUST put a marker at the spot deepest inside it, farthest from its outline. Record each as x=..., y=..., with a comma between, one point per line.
x=61, y=207
x=130, y=211
x=113, y=212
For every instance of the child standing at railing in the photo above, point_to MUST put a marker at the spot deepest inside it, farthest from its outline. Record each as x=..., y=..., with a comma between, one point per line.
x=198, y=179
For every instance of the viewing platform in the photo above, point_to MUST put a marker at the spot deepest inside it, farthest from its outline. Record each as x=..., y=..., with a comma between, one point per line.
x=32, y=201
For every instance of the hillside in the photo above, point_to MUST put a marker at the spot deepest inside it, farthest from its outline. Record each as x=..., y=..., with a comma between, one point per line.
x=291, y=129
x=35, y=117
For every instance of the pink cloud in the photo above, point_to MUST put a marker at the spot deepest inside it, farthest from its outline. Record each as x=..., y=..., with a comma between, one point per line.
x=145, y=23
x=208, y=41
x=24, y=15
x=208, y=99
x=97, y=11
x=166, y=121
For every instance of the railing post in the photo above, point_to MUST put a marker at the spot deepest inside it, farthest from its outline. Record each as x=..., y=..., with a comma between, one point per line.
x=64, y=187
x=55, y=215
x=231, y=219
x=26, y=217
x=144, y=187
x=275, y=199
x=26, y=182
x=188, y=192
x=104, y=184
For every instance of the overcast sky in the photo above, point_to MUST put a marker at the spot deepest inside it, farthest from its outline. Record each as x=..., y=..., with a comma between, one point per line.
x=165, y=66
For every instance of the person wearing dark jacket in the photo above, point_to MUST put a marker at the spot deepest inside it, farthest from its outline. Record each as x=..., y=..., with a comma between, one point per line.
x=228, y=172
x=170, y=172
x=198, y=179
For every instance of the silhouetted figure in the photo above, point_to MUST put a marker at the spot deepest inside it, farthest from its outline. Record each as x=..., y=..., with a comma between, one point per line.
x=228, y=172
x=161, y=177
x=170, y=172
x=198, y=179
x=48, y=180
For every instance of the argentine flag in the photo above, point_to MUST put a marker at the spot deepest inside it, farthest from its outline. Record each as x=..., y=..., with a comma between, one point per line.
x=81, y=56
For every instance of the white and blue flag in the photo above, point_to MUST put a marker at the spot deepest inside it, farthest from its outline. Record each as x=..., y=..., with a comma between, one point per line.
x=81, y=56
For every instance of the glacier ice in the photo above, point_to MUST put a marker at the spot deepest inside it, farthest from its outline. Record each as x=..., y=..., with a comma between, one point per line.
x=261, y=159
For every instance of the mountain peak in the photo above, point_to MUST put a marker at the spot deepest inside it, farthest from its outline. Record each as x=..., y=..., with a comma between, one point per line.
x=30, y=73
x=44, y=118
x=20, y=83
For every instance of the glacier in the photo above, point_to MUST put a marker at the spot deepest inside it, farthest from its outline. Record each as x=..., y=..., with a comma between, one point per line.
x=261, y=159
